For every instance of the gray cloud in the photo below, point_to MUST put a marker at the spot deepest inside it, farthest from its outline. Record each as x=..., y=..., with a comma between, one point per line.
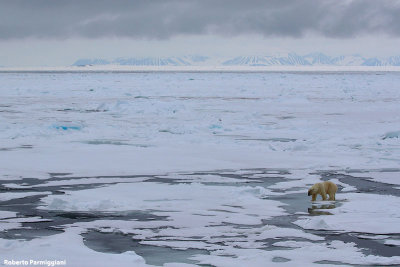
x=160, y=19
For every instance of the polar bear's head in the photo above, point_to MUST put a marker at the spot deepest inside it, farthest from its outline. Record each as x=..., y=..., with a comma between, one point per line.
x=313, y=190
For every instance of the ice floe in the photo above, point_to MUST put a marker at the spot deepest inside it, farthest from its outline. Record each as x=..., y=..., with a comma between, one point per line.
x=67, y=246
x=360, y=213
x=240, y=205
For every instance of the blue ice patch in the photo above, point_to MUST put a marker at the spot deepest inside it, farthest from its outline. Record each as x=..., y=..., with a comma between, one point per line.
x=394, y=134
x=215, y=126
x=66, y=128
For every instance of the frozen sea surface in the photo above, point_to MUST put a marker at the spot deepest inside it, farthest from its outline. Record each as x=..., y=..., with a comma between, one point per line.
x=124, y=123
x=251, y=217
x=181, y=169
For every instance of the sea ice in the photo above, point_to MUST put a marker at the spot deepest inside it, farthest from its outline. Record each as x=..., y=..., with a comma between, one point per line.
x=300, y=254
x=166, y=119
x=171, y=123
x=5, y=196
x=394, y=134
x=65, y=246
x=366, y=213
x=388, y=177
x=194, y=202
x=392, y=242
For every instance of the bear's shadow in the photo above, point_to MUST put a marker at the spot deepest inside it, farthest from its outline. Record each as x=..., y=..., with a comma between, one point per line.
x=320, y=209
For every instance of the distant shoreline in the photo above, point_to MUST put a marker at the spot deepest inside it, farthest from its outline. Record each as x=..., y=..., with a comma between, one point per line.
x=122, y=69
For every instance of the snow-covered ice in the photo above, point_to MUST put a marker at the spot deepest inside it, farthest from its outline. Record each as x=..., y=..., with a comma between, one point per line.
x=393, y=242
x=366, y=213
x=187, y=204
x=126, y=122
x=67, y=246
x=206, y=167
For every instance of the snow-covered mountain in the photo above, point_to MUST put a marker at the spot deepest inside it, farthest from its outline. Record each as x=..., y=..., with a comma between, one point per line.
x=318, y=59
x=390, y=61
x=289, y=59
x=353, y=60
x=152, y=61
x=91, y=61
x=145, y=61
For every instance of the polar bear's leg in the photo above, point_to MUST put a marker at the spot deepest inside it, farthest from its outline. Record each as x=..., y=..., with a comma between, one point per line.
x=332, y=196
x=323, y=194
x=314, y=197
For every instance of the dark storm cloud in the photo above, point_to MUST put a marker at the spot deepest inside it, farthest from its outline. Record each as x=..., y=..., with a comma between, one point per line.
x=159, y=19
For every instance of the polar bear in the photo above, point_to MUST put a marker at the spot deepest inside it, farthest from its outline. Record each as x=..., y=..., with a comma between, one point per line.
x=323, y=189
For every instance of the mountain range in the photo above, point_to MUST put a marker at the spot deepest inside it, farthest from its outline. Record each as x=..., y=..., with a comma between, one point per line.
x=289, y=59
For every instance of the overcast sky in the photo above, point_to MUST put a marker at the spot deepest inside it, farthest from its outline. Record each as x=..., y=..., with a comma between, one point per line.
x=57, y=32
